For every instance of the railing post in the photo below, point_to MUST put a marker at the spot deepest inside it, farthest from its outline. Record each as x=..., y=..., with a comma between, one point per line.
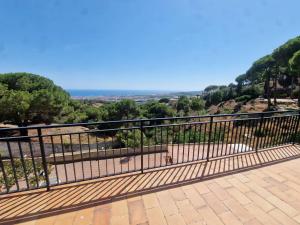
x=44, y=162
x=259, y=131
x=209, y=137
x=296, y=129
x=142, y=146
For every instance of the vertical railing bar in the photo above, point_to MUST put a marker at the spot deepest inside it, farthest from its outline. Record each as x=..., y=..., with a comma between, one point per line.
x=232, y=138
x=275, y=137
x=81, y=156
x=155, y=143
x=259, y=132
x=204, y=140
x=142, y=146
x=227, y=139
x=178, y=144
x=167, y=152
x=4, y=174
x=54, y=157
x=219, y=137
x=173, y=131
x=245, y=135
x=72, y=153
x=149, y=142
x=183, y=154
x=194, y=146
x=113, y=159
x=223, y=139
x=287, y=129
x=295, y=131
x=199, y=140
x=215, y=124
x=241, y=137
x=44, y=162
x=90, y=157
x=134, y=149
x=127, y=149
x=112, y=149
x=98, y=160
x=269, y=130
x=189, y=144
x=105, y=156
x=280, y=131
x=291, y=133
x=252, y=136
x=209, y=137
x=264, y=133
x=23, y=163
x=64, y=159
x=33, y=163
x=161, y=141
x=236, y=137
x=244, y=122
x=13, y=165
x=247, y=125
x=271, y=136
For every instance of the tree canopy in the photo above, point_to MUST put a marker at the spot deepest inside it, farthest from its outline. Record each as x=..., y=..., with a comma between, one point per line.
x=279, y=68
x=28, y=98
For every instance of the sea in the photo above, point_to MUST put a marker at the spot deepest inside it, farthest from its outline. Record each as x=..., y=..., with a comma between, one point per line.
x=76, y=93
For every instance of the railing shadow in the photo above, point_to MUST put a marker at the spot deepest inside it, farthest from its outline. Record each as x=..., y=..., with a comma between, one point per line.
x=38, y=204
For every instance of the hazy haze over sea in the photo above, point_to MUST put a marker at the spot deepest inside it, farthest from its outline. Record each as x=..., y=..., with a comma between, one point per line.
x=114, y=93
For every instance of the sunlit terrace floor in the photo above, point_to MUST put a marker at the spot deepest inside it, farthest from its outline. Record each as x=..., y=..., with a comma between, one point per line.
x=250, y=188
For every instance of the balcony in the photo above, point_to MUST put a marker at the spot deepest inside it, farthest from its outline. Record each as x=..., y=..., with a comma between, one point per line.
x=225, y=169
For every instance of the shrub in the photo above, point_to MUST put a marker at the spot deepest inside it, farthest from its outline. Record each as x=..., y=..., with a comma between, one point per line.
x=243, y=98
x=130, y=138
x=33, y=178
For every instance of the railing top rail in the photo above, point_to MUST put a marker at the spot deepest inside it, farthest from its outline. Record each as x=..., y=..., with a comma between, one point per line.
x=143, y=120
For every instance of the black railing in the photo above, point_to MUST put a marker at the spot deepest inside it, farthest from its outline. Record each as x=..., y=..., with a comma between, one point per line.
x=59, y=154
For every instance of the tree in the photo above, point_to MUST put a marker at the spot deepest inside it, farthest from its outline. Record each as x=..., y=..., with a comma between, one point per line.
x=267, y=76
x=216, y=97
x=197, y=104
x=211, y=88
x=27, y=98
x=154, y=109
x=131, y=139
x=183, y=104
x=294, y=64
x=164, y=100
x=124, y=109
x=286, y=51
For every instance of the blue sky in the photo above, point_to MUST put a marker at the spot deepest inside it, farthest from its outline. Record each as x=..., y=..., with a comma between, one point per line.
x=139, y=44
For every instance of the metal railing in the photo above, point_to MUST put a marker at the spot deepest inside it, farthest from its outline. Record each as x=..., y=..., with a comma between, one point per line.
x=58, y=154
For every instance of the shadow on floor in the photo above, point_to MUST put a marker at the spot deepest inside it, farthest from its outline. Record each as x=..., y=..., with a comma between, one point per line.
x=37, y=204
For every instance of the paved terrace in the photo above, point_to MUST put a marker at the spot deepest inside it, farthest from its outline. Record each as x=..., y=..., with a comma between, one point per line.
x=250, y=188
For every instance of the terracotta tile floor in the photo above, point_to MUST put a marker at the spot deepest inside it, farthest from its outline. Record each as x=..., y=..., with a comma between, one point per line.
x=251, y=188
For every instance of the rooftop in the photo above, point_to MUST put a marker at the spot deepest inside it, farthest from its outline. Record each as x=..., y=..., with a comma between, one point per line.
x=247, y=188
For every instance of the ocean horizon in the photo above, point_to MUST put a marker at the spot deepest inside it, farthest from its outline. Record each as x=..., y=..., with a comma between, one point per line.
x=114, y=92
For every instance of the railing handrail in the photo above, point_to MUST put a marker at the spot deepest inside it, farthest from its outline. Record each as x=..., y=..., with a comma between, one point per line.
x=141, y=119
x=138, y=151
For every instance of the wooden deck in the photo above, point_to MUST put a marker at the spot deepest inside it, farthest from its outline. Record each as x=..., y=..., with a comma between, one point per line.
x=249, y=188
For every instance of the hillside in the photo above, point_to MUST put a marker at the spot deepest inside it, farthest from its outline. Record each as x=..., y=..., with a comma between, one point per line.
x=274, y=76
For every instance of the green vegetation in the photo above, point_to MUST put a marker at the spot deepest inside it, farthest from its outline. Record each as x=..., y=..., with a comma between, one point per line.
x=26, y=99
x=272, y=76
x=21, y=173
